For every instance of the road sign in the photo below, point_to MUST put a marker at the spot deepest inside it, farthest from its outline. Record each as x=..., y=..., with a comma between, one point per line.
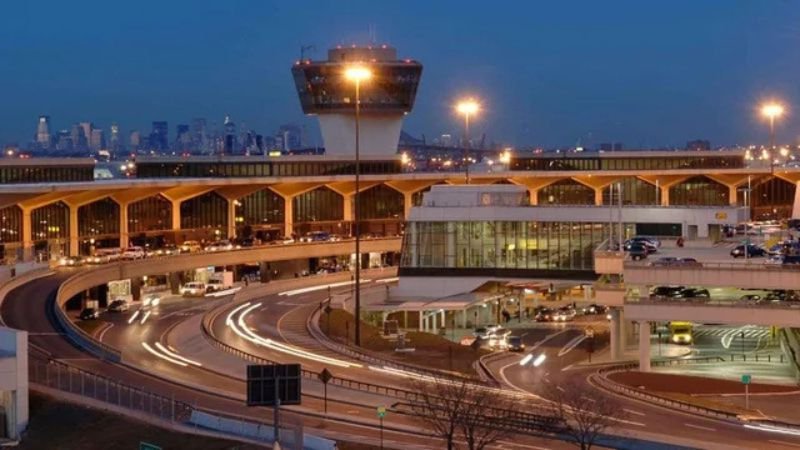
x=746, y=379
x=262, y=389
x=325, y=376
x=381, y=411
x=148, y=446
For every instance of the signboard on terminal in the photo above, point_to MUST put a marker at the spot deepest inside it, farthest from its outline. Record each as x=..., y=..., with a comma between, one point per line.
x=721, y=215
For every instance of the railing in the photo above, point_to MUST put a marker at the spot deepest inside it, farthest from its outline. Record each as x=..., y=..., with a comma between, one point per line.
x=703, y=301
x=749, y=265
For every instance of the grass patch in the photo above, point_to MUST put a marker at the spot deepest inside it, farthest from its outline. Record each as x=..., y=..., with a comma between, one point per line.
x=430, y=350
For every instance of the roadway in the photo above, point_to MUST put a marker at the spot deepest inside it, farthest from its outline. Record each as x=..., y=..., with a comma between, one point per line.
x=25, y=307
x=642, y=419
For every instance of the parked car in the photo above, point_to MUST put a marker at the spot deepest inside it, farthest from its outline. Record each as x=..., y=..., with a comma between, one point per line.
x=118, y=306
x=637, y=251
x=751, y=298
x=688, y=262
x=664, y=261
x=649, y=246
x=694, y=293
x=166, y=250
x=564, y=314
x=667, y=291
x=89, y=314
x=653, y=240
x=544, y=315
x=220, y=246
x=752, y=251
x=594, y=308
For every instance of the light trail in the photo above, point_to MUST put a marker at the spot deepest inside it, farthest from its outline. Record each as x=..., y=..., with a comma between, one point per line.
x=164, y=357
x=144, y=317
x=133, y=317
x=319, y=288
x=177, y=356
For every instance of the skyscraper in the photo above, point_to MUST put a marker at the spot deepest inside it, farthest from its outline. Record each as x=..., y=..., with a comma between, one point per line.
x=43, y=132
x=159, y=137
x=292, y=137
x=98, y=140
x=229, y=143
x=115, y=143
x=79, y=139
x=64, y=141
x=199, y=135
x=135, y=140
x=183, y=139
x=87, y=131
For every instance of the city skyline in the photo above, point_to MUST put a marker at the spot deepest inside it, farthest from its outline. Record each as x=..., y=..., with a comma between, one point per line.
x=546, y=78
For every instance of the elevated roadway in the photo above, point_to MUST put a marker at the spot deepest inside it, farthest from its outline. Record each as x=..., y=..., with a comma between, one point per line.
x=753, y=274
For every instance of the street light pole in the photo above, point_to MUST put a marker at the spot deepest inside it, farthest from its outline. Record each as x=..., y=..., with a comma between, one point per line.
x=467, y=108
x=466, y=144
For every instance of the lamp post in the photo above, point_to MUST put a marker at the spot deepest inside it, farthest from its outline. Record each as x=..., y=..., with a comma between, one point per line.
x=771, y=111
x=357, y=74
x=467, y=108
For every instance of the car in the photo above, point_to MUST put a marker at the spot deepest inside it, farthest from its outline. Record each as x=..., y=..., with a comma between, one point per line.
x=71, y=261
x=667, y=291
x=791, y=259
x=89, y=314
x=118, y=306
x=316, y=236
x=544, y=315
x=694, y=293
x=664, y=261
x=515, y=344
x=564, y=314
x=651, y=239
x=751, y=298
x=649, y=246
x=247, y=242
x=637, y=251
x=752, y=251
x=151, y=300
x=220, y=246
x=487, y=331
x=282, y=240
x=687, y=262
x=193, y=288
x=190, y=247
x=132, y=253
x=594, y=308
x=166, y=250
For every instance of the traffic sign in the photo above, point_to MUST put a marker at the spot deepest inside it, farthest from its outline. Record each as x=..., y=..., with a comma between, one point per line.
x=381, y=411
x=746, y=379
x=148, y=446
x=325, y=376
x=265, y=382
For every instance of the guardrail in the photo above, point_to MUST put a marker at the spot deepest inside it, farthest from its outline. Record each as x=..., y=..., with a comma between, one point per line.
x=703, y=301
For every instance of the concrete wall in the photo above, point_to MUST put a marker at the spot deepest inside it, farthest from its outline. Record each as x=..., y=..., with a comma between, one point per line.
x=14, y=379
x=768, y=315
x=754, y=275
x=379, y=133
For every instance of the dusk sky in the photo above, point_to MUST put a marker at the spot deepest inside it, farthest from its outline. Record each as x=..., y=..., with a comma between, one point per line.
x=548, y=73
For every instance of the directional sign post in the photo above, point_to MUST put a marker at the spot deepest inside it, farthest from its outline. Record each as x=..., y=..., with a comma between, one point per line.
x=325, y=376
x=381, y=414
x=273, y=385
x=746, y=382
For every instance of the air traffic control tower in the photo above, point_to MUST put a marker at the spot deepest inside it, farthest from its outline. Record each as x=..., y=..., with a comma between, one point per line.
x=386, y=97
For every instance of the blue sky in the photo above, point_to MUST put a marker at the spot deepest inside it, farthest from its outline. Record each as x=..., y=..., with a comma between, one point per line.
x=548, y=73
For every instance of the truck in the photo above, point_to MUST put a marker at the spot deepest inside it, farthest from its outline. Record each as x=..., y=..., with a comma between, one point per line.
x=680, y=333
x=219, y=281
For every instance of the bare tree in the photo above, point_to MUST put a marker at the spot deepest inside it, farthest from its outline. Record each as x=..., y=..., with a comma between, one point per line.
x=481, y=416
x=583, y=412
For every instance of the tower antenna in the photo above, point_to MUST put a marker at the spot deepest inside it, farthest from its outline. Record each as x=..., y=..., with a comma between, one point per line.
x=303, y=50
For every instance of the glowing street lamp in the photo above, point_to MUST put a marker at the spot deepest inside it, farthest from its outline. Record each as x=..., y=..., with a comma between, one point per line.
x=357, y=74
x=467, y=108
x=771, y=111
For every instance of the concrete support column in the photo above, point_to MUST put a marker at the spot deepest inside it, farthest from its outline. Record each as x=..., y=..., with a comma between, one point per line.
x=27, y=235
x=124, y=236
x=664, y=195
x=73, y=231
x=598, y=196
x=288, y=215
x=231, y=219
x=422, y=321
x=408, y=203
x=263, y=269
x=615, y=328
x=176, y=216
x=444, y=319
x=464, y=318
x=533, y=195
x=174, y=280
x=348, y=207
x=733, y=195
x=644, y=346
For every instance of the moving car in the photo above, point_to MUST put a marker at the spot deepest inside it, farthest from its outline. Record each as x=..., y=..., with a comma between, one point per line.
x=220, y=246
x=752, y=251
x=89, y=314
x=485, y=332
x=134, y=252
x=193, y=289
x=190, y=247
x=118, y=306
x=664, y=261
x=594, y=308
x=649, y=246
x=166, y=250
x=316, y=236
x=515, y=344
x=564, y=314
x=151, y=300
x=71, y=261
x=544, y=315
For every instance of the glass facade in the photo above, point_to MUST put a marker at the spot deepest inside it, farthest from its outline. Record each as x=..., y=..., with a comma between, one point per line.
x=502, y=245
x=322, y=87
x=261, y=209
x=699, y=191
x=380, y=202
x=321, y=204
x=50, y=229
x=645, y=162
x=11, y=225
x=150, y=214
x=208, y=211
x=261, y=168
x=634, y=192
x=34, y=174
x=772, y=198
x=566, y=192
x=98, y=219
